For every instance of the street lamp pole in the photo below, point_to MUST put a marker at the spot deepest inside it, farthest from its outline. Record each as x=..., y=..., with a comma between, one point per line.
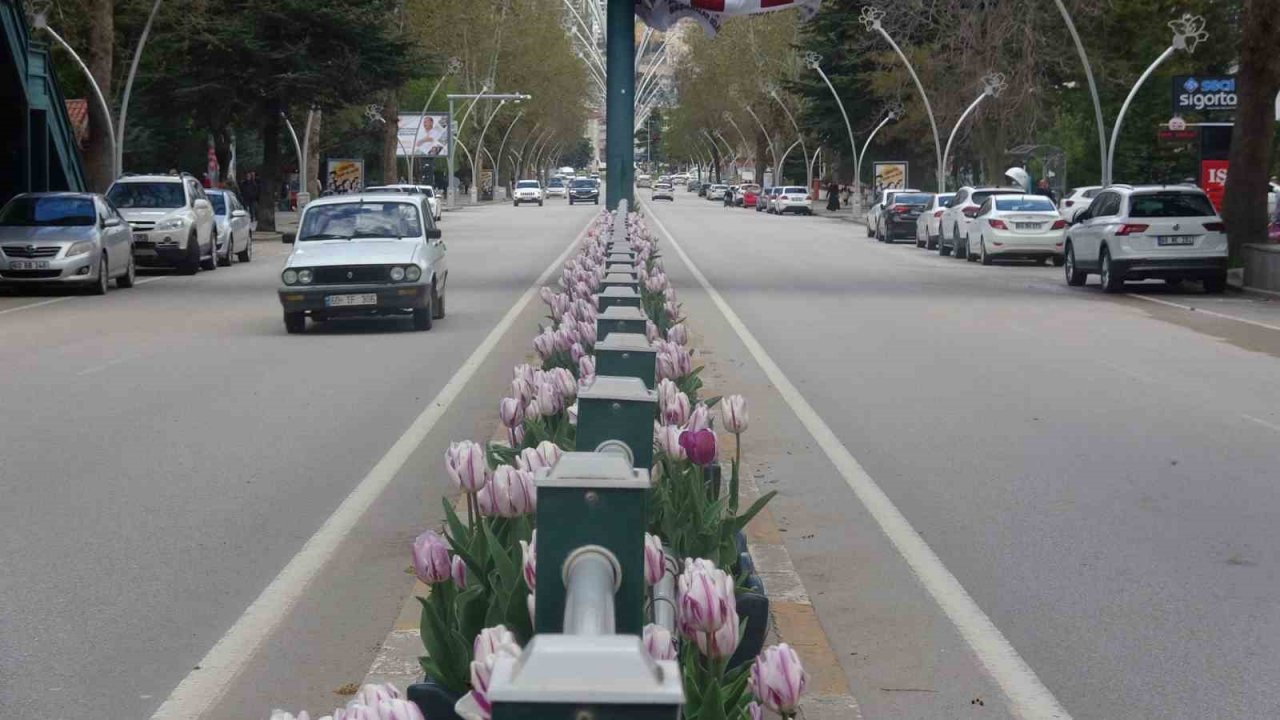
x=992, y=85
x=453, y=68
x=455, y=129
x=497, y=163
x=773, y=91
x=40, y=22
x=777, y=173
x=620, y=81
x=475, y=186
x=891, y=115
x=814, y=61
x=128, y=85
x=1093, y=89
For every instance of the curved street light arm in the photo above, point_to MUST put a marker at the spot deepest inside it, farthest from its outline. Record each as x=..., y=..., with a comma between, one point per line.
x=871, y=17
x=1093, y=90
x=1124, y=109
x=946, y=154
x=767, y=138
x=97, y=92
x=128, y=84
x=799, y=135
x=644, y=45
x=480, y=140
x=815, y=61
x=497, y=164
x=867, y=144
x=729, y=117
x=297, y=146
x=453, y=68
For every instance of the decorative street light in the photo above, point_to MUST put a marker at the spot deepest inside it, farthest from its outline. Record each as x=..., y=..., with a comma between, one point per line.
x=40, y=21
x=453, y=68
x=1093, y=89
x=455, y=129
x=871, y=17
x=892, y=112
x=992, y=85
x=814, y=61
x=772, y=90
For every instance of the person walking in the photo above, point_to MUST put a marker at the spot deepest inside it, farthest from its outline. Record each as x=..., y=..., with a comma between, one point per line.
x=250, y=193
x=1042, y=188
x=833, y=197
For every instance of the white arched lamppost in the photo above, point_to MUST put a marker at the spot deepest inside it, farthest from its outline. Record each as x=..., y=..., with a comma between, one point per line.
x=992, y=85
x=871, y=17
x=40, y=21
x=453, y=68
x=1188, y=31
x=772, y=90
x=892, y=113
x=773, y=151
x=1093, y=89
x=814, y=61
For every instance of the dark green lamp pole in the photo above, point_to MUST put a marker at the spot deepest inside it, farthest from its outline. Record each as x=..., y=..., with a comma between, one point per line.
x=620, y=107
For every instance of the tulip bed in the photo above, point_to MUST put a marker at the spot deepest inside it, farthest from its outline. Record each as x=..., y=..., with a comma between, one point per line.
x=481, y=568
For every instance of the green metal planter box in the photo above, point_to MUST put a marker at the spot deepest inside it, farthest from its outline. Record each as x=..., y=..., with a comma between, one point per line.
x=621, y=257
x=617, y=297
x=620, y=319
x=620, y=268
x=626, y=280
x=617, y=408
x=627, y=355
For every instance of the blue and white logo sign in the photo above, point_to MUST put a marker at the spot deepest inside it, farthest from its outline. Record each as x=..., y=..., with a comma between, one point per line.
x=1203, y=93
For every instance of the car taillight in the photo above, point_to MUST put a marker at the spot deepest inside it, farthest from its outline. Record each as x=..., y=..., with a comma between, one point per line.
x=1128, y=229
x=1215, y=227
x=899, y=209
x=938, y=213
x=997, y=224
x=1069, y=203
x=1058, y=224
x=971, y=211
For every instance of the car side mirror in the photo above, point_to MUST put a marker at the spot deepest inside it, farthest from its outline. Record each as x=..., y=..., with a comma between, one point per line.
x=239, y=214
x=112, y=222
x=289, y=238
x=434, y=234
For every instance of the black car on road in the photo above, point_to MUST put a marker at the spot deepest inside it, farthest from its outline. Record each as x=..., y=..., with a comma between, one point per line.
x=584, y=190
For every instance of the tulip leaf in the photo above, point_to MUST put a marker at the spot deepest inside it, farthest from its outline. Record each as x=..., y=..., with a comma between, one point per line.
x=741, y=521
x=441, y=652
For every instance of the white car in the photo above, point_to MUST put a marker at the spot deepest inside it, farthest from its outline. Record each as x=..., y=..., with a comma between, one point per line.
x=425, y=190
x=1077, y=200
x=792, y=198
x=557, y=187
x=527, y=191
x=171, y=218
x=1018, y=226
x=365, y=254
x=716, y=192
x=930, y=220
x=956, y=221
x=1148, y=231
x=643, y=181
x=235, y=234
x=663, y=191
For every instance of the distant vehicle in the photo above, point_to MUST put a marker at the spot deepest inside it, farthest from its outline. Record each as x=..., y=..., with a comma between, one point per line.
x=898, y=220
x=792, y=198
x=567, y=171
x=528, y=191
x=365, y=254
x=234, y=229
x=663, y=191
x=958, y=218
x=427, y=190
x=70, y=240
x=172, y=221
x=1148, y=231
x=643, y=181
x=1077, y=200
x=584, y=190
x=927, y=226
x=875, y=212
x=557, y=187
x=1018, y=226
x=692, y=186
x=717, y=192
x=750, y=195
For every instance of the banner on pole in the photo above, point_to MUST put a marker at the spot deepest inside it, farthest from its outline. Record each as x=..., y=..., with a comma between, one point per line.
x=890, y=176
x=432, y=131
x=710, y=14
x=345, y=176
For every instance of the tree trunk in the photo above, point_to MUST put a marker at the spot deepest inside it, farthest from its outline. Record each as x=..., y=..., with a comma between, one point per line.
x=269, y=177
x=1258, y=81
x=100, y=165
x=390, y=132
x=762, y=151
x=313, y=156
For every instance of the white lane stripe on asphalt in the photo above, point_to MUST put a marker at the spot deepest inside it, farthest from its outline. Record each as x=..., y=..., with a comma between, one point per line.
x=201, y=689
x=1026, y=696
x=64, y=298
x=1202, y=311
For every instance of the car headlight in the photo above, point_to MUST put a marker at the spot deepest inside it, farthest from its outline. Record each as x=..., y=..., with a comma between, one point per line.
x=83, y=247
x=170, y=224
x=305, y=277
x=397, y=274
x=413, y=273
x=290, y=277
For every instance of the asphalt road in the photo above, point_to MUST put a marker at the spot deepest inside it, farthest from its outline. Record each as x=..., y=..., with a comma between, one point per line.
x=1098, y=473
x=166, y=450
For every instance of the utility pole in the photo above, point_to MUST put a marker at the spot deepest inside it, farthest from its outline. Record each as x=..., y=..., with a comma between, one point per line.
x=620, y=88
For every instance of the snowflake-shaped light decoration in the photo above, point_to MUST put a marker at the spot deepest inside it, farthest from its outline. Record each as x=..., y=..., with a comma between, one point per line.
x=871, y=17
x=38, y=13
x=813, y=60
x=374, y=114
x=771, y=88
x=894, y=111
x=727, y=116
x=454, y=67
x=994, y=84
x=1188, y=31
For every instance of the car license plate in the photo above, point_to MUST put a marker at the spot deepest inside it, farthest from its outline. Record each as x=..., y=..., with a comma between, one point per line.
x=1166, y=240
x=350, y=300
x=1028, y=226
x=139, y=237
x=29, y=264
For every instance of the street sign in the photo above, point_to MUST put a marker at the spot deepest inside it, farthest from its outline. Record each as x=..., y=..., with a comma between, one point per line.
x=1204, y=93
x=1177, y=135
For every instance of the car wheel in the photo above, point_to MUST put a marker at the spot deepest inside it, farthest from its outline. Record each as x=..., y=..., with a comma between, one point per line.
x=1112, y=281
x=919, y=243
x=104, y=273
x=191, y=264
x=422, y=317
x=295, y=322
x=130, y=273
x=229, y=258
x=943, y=249
x=1215, y=285
x=982, y=249
x=597, y=201
x=961, y=249
x=515, y=203
x=437, y=303
x=246, y=255
x=212, y=262
x=871, y=232
x=539, y=203
x=970, y=255
x=931, y=241
x=570, y=201
x=1075, y=278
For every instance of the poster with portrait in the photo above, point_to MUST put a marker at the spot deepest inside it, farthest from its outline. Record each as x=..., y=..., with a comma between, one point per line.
x=345, y=176
x=890, y=176
x=423, y=135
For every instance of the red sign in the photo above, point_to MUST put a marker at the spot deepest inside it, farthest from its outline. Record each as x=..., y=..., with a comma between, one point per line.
x=1177, y=135
x=1213, y=178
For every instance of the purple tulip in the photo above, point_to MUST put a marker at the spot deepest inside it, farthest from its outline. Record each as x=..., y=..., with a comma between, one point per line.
x=699, y=446
x=467, y=466
x=431, y=558
x=566, y=383
x=521, y=390
x=529, y=549
x=282, y=715
x=659, y=642
x=778, y=679
x=667, y=391
x=550, y=452
x=458, y=571
x=530, y=459
x=576, y=352
x=666, y=366
x=490, y=644
x=755, y=711
x=511, y=411
x=654, y=565
x=397, y=709
x=650, y=330
x=545, y=343
x=355, y=711
x=372, y=694
x=587, y=333
x=510, y=493
x=733, y=411
x=549, y=399
x=672, y=310
x=487, y=501
x=526, y=372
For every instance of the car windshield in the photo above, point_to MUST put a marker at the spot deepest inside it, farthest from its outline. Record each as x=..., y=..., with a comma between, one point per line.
x=48, y=212
x=793, y=190
x=219, y=202
x=1025, y=204
x=156, y=195
x=556, y=182
x=981, y=196
x=358, y=220
x=527, y=184
x=1169, y=204
x=945, y=200
x=751, y=188
x=911, y=198
x=584, y=183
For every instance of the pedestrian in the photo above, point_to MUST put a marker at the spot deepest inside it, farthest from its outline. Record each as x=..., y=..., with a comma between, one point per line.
x=845, y=194
x=1042, y=188
x=833, y=197
x=250, y=192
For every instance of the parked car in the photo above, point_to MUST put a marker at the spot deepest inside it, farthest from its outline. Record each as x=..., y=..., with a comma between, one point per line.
x=663, y=191
x=1134, y=232
x=703, y=189
x=644, y=181
x=898, y=220
x=692, y=186
x=426, y=190
x=527, y=191
x=365, y=254
x=584, y=190
x=792, y=198
x=717, y=192
x=762, y=199
x=771, y=199
x=874, y=213
x=750, y=195
x=1018, y=226
x=927, y=226
x=171, y=218
x=556, y=187
x=235, y=234
x=70, y=240
x=1075, y=202
x=953, y=236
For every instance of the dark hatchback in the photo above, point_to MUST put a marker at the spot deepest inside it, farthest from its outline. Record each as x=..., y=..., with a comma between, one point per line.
x=584, y=190
x=900, y=217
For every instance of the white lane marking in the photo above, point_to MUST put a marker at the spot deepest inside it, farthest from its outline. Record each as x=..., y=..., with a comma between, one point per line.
x=1027, y=696
x=201, y=689
x=1262, y=422
x=1202, y=311
x=64, y=298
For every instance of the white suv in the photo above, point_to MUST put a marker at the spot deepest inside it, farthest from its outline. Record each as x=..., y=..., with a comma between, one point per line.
x=171, y=218
x=527, y=191
x=1148, y=231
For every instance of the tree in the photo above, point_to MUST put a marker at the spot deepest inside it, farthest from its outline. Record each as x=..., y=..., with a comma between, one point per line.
x=1252, y=139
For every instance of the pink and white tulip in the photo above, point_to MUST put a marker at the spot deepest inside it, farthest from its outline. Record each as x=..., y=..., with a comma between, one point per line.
x=654, y=561
x=431, y=558
x=511, y=412
x=529, y=550
x=467, y=466
x=778, y=679
x=659, y=642
x=733, y=412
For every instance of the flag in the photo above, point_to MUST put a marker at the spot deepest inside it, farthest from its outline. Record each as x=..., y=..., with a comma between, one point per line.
x=710, y=14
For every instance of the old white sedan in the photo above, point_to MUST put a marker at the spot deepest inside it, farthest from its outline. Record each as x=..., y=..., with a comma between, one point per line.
x=362, y=255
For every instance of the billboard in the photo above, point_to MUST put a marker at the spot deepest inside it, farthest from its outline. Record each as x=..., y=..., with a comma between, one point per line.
x=432, y=130
x=345, y=176
x=1203, y=93
x=890, y=175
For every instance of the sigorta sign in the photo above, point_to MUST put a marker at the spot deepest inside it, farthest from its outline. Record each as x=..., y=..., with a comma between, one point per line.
x=1204, y=93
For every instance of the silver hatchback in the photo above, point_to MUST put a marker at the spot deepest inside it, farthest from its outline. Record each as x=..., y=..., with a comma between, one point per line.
x=67, y=239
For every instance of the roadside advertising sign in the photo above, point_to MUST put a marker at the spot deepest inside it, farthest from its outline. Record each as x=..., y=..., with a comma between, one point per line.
x=345, y=176
x=432, y=130
x=1204, y=93
x=890, y=175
